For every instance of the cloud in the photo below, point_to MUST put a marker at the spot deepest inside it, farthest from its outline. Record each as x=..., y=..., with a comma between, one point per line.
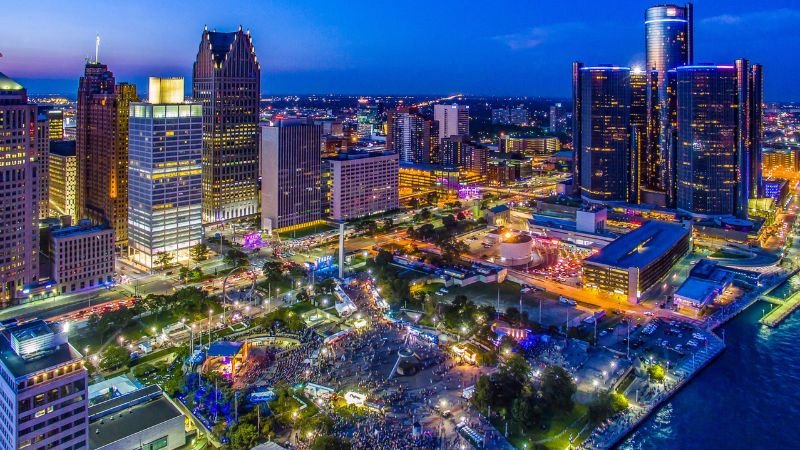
x=762, y=19
x=537, y=36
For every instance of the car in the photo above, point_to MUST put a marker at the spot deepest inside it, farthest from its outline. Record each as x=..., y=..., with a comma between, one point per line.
x=649, y=313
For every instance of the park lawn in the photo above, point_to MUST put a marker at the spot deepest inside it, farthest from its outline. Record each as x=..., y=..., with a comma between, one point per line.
x=302, y=307
x=557, y=424
x=484, y=293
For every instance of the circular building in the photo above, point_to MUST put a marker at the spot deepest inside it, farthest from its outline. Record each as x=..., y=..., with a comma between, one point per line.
x=516, y=249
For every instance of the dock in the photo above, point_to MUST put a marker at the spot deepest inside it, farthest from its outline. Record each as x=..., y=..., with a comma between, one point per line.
x=782, y=311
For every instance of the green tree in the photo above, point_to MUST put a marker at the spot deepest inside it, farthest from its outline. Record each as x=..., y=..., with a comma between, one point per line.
x=273, y=270
x=243, y=437
x=383, y=258
x=183, y=273
x=656, y=372
x=114, y=357
x=235, y=258
x=518, y=368
x=199, y=252
x=331, y=443
x=557, y=389
x=605, y=405
x=388, y=224
x=164, y=259
x=484, y=393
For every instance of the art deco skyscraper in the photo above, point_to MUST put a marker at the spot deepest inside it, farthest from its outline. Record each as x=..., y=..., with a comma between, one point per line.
x=226, y=81
x=102, y=148
x=718, y=138
x=19, y=185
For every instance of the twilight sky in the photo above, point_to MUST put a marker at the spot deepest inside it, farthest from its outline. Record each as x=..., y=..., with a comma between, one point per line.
x=498, y=47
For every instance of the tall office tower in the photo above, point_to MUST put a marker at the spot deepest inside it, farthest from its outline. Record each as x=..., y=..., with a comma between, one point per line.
x=291, y=183
x=668, y=45
x=19, y=186
x=367, y=118
x=453, y=151
x=577, y=97
x=102, y=148
x=42, y=143
x=718, y=121
x=165, y=204
x=644, y=117
x=517, y=116
x=63, y=175
x=226, y=81
x=453, y=120
x=410, y=135
x=43, y=388
x=56, y=119
x=604, y=134
x=557, y=119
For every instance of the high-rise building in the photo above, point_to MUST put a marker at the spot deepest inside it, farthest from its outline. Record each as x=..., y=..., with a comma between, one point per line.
x=603, y=132
x=367, y=118
x=453, y=120
x=558, y=122
x=500, y=116
x=718, y=137
x=517, y=116
x=668, y=45
x=43, y=388
x=291, y=180
x=412, y=136
x=577, y=81
x=19, y=184
x=164, y=174
x=102, y=148
x=226, y=81
x=55, y=117
x=42, y=143
x=63, y=179
x=644, y=162
x=362, y=183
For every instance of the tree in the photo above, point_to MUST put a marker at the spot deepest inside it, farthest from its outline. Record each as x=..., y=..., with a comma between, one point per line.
x=484, y=393
x=383, y=258
x=558, y=389
x=605, y=405
x=183, y=273
x=235, y=258
x=656, y=372
x=449, y=221
x=164, y=259
x=273, y=270
x=388, y=224
x=518, y=368
x=243, y=437
x=199, y=252
x=331, y=443
x=114, y=357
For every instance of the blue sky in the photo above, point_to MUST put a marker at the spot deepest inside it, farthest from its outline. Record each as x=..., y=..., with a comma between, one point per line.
x=500, y=47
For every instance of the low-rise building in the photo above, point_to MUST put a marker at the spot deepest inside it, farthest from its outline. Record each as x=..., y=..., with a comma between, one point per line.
x=530, y=146
x=634, y=262
x=362, y=183
x=142, y=419
x=82, y=257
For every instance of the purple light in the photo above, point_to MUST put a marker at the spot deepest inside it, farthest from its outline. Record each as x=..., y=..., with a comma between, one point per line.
x=469, y=191
x=253, y=240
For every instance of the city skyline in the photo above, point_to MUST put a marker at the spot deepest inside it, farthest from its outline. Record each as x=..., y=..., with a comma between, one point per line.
x=312, y=47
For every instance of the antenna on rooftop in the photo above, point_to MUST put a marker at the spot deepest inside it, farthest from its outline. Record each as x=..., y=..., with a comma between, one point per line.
x=97, y=49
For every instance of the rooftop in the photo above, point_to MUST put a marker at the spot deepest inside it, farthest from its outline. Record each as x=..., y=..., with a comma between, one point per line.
x=7, y=84
x=220, y=44
x=78, y=229
x=361, y=154
x=224, y=349
x=640, y=247
x=698, y=290
x=39, y=356
x=129, y=414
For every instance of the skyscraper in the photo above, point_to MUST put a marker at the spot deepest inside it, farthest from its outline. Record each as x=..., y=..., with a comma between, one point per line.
x=164, y=174
x=291, y=179
x=19, y=178
x=453, y=120
x=42, y=143
x=102, y=148
x=414, y=137
x=63, y=175
x=718, y=130
x=603, y=132
x=226, y=81
x=668, y=44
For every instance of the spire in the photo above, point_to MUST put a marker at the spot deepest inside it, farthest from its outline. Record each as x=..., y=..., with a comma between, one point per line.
x=97, y=49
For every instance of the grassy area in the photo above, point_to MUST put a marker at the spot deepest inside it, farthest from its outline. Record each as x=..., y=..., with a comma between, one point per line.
x=728, y=255
x=553, y=435
x=302, y=307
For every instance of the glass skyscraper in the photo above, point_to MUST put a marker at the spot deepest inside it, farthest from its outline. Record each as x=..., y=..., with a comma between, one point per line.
x=164, y=174
x=604, y=96
x=668, y=36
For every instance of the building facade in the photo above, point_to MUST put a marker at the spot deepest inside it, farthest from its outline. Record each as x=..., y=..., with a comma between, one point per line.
x=291, y=174
x=453, y=120
x=363, y=183
x=82, y=257
x=412, y=136
x=43, y=388
x=102, y=148
x=165, y=204
x=529, y=146
x=718, y=138
x=226, y=81
x=63, y=173
x=42, y=143
x=19, y=184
